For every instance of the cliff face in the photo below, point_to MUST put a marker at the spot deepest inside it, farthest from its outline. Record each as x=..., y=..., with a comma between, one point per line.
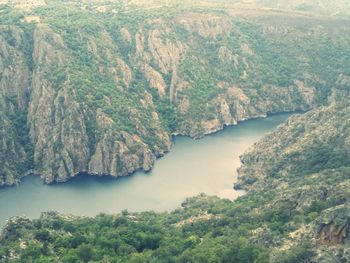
x=70, y=137
x=99, y=90
x=15, y=79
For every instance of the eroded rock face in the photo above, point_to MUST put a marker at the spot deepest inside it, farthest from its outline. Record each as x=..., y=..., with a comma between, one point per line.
x=331, y=234
x=57, y=125
x=206, y=26
x=105, y=98
x=58, y=121
x=333, y=226
x=15, y=78
x=119, y=154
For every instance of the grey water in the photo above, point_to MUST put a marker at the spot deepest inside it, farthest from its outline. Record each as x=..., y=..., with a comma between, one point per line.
x=191, y=167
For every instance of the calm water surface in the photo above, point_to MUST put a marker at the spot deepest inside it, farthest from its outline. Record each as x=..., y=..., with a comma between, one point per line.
x=193, y=166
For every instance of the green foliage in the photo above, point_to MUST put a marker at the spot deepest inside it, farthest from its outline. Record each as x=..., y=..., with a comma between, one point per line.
x=322, y=151
x=184, y=235
x=85, y=252
x=297, y=254
x=9, y=15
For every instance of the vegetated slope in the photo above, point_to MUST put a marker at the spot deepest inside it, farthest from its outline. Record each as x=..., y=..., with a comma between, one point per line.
x=100, y=87
x=307, y=144
x=296, y=211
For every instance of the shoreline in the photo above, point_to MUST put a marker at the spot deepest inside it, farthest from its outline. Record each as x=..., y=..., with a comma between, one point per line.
x=32, y=172
x=143, y=184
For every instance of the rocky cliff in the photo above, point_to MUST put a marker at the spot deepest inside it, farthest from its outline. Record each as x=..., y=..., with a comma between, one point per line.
x=100, y=89
x=15, y=79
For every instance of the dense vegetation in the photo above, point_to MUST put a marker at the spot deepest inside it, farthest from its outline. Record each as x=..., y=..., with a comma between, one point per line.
x=206, y=230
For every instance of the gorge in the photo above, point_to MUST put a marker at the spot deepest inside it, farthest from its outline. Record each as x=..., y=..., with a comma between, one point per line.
x=90, y=87
x=192, y=167
x=92, y=91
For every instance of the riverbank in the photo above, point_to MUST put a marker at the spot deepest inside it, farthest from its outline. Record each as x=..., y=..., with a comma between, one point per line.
x=193, y=166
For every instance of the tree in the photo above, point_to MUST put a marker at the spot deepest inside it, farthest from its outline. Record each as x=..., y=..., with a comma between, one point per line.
x=85, y=252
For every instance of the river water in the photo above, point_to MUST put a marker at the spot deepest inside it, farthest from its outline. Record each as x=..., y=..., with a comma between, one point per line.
x=192, y=167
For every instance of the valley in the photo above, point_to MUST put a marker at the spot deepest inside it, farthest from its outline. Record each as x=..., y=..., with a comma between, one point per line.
x=92, y=92
x=102, y=92
x=192, y=167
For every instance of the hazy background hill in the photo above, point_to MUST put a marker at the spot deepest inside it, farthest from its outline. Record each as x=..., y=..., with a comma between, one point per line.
x=326, y=7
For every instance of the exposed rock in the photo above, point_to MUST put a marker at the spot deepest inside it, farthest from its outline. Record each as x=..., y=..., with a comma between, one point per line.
x=333, y=226
x=126, y=35
x=155, y=79
x=15, y=78
x=206, y=26
x=226, y=56
x=308, y=93
x=246, y=48
x=24, y=3
x=262, y=236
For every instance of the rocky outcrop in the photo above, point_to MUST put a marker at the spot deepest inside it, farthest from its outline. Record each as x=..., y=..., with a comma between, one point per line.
x=63, y=120
x=56, y=120
x=332, y=228
x=206, y=25
x=331, y=232
x=119, y=153
x=232, y=105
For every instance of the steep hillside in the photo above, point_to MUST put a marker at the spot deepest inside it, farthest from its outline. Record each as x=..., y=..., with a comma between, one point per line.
x=296, y=211
x=15, y=78
x=100, y=87
x=307, y=160
x=307, y=144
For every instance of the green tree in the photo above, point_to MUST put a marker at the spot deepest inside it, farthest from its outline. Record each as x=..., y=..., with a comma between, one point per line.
x=85, y=252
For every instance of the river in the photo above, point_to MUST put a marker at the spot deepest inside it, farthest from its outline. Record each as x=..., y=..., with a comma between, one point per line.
x=192, y=167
